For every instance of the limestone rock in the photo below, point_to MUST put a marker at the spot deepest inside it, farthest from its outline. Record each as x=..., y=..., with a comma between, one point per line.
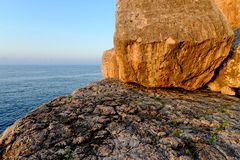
x=231, y=8
x=169, y=43
x=109, y=64
x=113, y=120
x=228, y=77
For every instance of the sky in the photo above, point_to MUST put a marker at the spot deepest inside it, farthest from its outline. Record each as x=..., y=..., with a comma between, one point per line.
x=55, y=31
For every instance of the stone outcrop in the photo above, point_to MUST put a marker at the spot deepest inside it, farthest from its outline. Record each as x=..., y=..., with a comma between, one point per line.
x=231, y=8
x=113, y=120
x=169, y=43
x=227, y=79
x=109, y=64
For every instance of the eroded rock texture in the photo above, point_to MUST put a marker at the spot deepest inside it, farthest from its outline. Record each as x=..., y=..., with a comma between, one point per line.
x=231, y=8
x=227, y=79
x=113, y=120
x=169, y=43
x=109, y=64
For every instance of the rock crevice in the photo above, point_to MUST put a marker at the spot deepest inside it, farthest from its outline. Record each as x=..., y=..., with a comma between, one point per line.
x=227, y=77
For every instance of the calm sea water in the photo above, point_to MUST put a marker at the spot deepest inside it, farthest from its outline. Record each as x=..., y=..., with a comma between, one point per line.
x=23, y=88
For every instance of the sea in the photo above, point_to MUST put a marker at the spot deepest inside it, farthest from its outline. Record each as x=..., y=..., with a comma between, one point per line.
x=23, y=88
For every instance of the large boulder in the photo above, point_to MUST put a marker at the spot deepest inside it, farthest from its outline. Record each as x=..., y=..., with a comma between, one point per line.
x=169, y=43
x=231, y=8
x=109, y=64
x=227, y=79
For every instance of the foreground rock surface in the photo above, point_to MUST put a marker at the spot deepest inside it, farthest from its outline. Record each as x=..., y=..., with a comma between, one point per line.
x=227, y=80
x=169, y=43
x=112, y=120
x=231, y=8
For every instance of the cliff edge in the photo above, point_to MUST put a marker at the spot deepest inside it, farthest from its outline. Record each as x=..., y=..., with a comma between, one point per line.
x=113, y=120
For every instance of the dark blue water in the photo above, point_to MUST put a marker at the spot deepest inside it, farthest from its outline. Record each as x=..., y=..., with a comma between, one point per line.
x=23, y=88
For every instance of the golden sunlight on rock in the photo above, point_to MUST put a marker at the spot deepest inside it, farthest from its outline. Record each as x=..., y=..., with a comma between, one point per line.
x=228, y=77
x=161, y=43
x=231, y=8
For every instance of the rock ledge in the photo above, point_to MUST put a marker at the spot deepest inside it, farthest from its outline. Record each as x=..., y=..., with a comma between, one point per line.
x=112, y=120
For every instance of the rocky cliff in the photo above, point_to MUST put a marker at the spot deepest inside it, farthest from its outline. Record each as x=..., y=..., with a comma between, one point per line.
x=109, y=64
x=168, y=43
x=175, y=44
x=227, y=77
x=231, y=9
x=112, y=120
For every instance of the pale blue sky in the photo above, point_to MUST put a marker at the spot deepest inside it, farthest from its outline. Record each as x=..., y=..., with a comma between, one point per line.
x=55, y=31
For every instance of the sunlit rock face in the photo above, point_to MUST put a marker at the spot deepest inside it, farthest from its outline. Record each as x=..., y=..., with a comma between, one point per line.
x=228, y=77
x=109, y=64
x=169, y=43
x=231, y=8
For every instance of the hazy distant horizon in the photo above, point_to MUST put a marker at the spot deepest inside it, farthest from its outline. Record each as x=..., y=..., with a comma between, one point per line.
x=55, y=32
x=52, y=64
x=49, y=61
